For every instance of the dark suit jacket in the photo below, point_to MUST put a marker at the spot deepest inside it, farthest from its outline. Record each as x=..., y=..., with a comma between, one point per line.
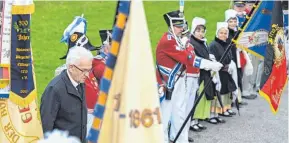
x=63, y=108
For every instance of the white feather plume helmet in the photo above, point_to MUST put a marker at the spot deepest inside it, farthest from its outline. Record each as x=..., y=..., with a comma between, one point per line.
x=197, y=21
x=221, y=25
x=79, y=24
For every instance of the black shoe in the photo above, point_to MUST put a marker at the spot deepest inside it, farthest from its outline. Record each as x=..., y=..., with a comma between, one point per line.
x=254, y=95
x=231, y=112
x=220, y=120
x=191, y=140
x=243, y=103
x=201, y=126
x=226, y=115
x=250, y=97
x=195, y=128
x=212, y=121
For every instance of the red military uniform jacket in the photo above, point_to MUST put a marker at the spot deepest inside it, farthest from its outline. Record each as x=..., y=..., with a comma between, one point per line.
x=170, y=57
x=93, y=81
x=191, y=70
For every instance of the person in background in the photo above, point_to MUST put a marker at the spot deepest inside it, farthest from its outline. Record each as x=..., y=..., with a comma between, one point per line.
x=63, y=103
x=249, y=6
x=173, y=55
x=240, y=58
x=198, y=40
x=239, y=6
x=228, y=85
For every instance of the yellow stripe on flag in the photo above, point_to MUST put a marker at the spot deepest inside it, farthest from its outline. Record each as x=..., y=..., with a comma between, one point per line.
x=23, y=9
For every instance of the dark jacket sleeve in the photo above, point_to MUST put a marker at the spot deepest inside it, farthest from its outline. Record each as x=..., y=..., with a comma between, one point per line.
x=50, y=104
x=213, y=50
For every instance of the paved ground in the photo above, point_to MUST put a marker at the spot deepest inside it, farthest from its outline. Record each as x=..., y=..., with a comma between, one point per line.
x=257, y=124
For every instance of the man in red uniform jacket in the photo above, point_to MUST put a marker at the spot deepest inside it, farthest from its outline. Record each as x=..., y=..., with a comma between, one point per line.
x=249, y=6
x=98, y=66
x=172, y=58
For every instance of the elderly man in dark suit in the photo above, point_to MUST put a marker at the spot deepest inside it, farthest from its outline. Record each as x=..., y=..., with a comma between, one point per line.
x=63, y=104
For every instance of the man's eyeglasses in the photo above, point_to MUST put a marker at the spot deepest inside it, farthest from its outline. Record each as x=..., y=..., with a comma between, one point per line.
x=83, y=71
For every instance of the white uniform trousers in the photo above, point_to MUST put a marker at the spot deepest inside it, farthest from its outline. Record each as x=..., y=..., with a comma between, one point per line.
x=251, y=83
x=182, y=101
x=175, y=110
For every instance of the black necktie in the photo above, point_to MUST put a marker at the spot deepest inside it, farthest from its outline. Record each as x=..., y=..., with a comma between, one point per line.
x=79, y=89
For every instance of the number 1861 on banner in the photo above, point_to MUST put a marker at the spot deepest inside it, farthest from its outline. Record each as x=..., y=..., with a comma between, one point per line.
x=146, y=117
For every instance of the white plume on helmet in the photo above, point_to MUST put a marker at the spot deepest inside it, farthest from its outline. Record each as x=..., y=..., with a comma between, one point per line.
x=77, y=25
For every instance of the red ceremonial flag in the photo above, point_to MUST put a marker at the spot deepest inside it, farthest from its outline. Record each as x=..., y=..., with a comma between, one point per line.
x=274, y=76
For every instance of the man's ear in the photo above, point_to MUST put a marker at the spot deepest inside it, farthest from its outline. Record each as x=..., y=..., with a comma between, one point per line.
x=69, y=68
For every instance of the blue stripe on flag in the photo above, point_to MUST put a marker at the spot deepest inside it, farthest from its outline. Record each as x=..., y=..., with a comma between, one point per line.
x=110, y=62
x=117, y=34
x=124, y=7
x=105, y=84
x=93, y=135
x=98, y=111
x=4, y=96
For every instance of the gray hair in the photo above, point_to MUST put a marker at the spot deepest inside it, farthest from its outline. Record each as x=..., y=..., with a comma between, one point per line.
x=76, y=53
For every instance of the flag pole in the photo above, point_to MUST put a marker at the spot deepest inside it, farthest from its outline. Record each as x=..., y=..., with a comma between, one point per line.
x=210, y=80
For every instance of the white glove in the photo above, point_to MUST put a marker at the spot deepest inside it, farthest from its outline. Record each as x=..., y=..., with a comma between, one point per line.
x=185, y=41
x=161, y=92
x=216, y=80
x=232, y=67
x=209, y=65
x=212, y=57
x=235, y=95
x=234, y=73
x=248, y=69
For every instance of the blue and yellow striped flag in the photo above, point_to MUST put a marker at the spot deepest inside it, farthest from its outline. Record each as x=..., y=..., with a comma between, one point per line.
x=132, y=110
x=117, y=34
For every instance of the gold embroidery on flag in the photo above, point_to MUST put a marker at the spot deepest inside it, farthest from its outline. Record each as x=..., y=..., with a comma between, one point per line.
x=11, y=133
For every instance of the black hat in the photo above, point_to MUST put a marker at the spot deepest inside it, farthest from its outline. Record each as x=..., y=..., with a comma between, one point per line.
x=79, y=39
x=239, y=3
x=105, y=36
x=174, y=17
